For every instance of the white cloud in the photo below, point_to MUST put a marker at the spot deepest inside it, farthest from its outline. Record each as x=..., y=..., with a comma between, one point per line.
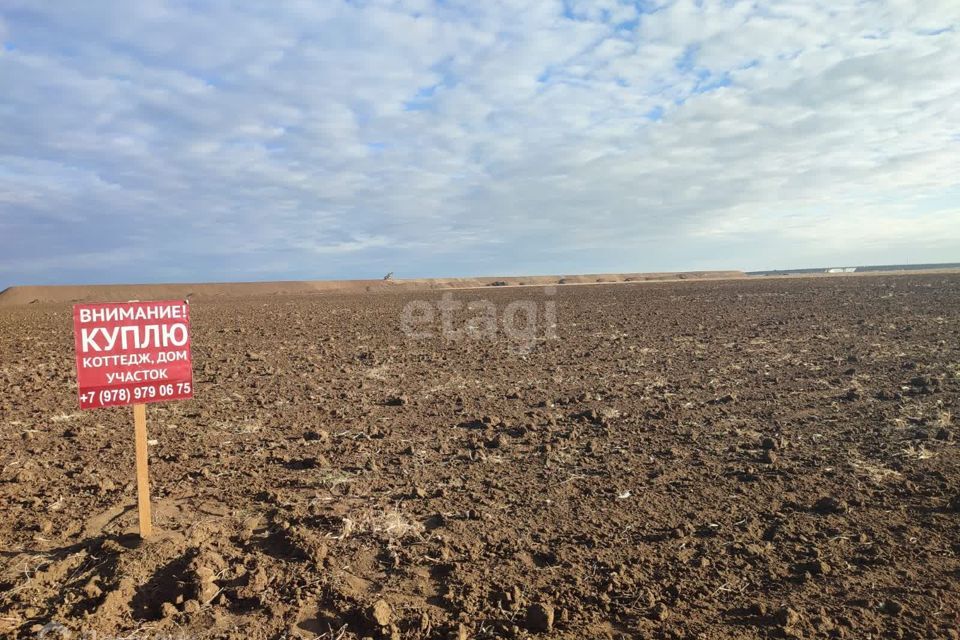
x=548, y=135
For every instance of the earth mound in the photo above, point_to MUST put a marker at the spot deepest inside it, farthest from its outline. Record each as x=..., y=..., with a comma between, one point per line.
x=113, y=292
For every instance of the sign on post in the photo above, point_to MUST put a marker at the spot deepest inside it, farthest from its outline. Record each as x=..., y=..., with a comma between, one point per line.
x=133, y=353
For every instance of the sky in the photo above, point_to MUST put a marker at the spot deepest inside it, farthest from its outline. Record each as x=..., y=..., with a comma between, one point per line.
x=216, y=141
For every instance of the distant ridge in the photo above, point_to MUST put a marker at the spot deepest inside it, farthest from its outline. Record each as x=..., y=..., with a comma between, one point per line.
x=861, y=269
x=13, y=296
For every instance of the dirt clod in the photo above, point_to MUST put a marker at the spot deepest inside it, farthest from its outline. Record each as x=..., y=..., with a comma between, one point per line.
x=380, y=613
x=769, y=444
x=540, y=617
x=92, y=589
x=660, y=612
x=786, y=617
x=830, y=504
x=893, y=607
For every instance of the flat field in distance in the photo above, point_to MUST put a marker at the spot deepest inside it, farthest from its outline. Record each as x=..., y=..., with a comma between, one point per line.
x=704, y=459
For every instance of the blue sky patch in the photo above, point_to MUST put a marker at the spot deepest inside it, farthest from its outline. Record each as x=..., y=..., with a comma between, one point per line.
x=350, y=138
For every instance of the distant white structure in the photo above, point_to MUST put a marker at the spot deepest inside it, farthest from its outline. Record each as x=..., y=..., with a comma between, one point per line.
x=842, y=270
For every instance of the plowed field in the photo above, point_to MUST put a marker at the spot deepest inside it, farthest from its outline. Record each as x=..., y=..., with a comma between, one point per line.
x=730, y=459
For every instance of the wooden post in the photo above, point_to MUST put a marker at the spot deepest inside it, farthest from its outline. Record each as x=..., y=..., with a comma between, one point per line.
x=143, y=480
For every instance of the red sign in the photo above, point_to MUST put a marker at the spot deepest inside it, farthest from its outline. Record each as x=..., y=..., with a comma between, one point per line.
x=132, y=352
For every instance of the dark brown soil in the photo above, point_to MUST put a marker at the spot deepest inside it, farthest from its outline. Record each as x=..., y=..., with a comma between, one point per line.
x=734, y=459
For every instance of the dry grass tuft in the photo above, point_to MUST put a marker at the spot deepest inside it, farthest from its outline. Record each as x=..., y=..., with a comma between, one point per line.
x=65, y=417
x=390, y=525
x=917, y=452
x=875, y=472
